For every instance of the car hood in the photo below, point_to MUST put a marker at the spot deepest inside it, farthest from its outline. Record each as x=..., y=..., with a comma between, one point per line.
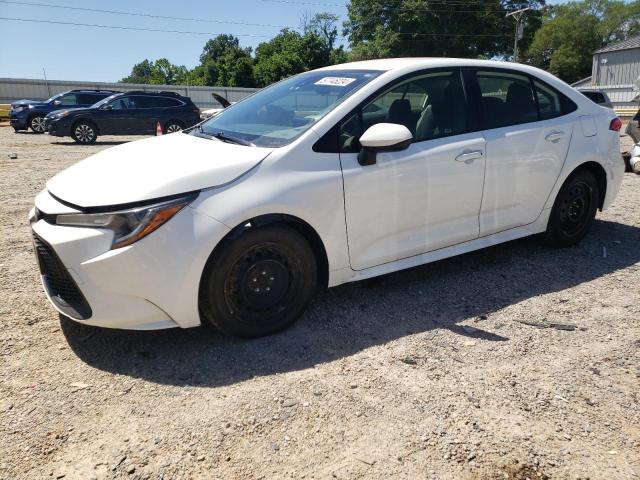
x=153, y=168
x=59, y=113
x=25, y=102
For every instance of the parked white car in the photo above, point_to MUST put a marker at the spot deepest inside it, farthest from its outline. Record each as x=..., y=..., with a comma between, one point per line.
x=331, y=176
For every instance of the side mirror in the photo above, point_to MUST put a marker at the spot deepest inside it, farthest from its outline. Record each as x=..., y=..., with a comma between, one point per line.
x=383, y=137
x=108, y=107
x=57, y=102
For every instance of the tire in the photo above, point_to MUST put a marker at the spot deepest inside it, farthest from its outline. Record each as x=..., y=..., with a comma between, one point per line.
x=36, y=124
x=573, y=210
x=84, y=132
x=258, y=283
x=173, y=126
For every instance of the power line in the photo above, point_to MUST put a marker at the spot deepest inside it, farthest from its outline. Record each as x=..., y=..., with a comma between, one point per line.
x=116, y=27
x=148, y=15
x=298, y=2
x=186, y=32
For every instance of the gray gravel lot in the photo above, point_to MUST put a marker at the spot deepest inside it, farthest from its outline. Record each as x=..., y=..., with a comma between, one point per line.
x=517, y=361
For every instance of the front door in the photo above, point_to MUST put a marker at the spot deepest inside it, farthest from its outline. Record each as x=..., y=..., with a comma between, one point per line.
x=425, y=197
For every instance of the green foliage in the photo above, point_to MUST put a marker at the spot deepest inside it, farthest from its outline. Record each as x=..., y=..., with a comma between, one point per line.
x=160, y=72
x=411, y=28
x=571, y=32
x=289, y=53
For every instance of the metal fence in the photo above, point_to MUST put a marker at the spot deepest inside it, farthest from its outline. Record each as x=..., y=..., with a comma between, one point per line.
x=12, y=89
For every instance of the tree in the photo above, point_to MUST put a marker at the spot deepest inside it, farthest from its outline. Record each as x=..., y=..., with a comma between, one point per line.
x=289, y=53
x=570, y=33
x=224, y=62
x=379, y=28
x=160, y=72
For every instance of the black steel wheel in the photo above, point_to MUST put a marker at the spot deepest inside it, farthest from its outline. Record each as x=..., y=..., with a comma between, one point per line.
x=259, y=283
x=36, y=124
x=574, y=210
x=84, y=132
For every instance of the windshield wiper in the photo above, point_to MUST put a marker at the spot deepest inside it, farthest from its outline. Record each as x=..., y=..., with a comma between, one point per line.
x=227, y=138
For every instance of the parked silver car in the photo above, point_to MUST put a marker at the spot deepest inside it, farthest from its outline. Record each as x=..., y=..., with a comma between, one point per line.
x=598, y=96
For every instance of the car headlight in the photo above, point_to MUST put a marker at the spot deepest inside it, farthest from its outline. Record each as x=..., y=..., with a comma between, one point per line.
x=19, y=109
x=58, y=115
x=129, y=226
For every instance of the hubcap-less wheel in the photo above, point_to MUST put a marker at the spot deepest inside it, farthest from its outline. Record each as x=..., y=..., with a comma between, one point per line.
x=84, y=133
x=259, y=282
x=174, y=127
x=575, y=208
x=37, y=124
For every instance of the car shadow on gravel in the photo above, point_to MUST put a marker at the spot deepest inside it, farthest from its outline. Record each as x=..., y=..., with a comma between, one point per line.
x=347, y=319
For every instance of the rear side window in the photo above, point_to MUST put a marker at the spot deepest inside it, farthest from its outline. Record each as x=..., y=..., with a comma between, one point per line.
x=506, y=99
x=549, y=101
x=168, y=102
x=89, y=98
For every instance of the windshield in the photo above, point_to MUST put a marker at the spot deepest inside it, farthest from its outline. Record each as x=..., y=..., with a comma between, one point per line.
x=104, y=101
x=277, y=115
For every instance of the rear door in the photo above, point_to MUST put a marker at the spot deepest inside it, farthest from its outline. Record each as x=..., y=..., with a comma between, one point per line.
x=527, y=142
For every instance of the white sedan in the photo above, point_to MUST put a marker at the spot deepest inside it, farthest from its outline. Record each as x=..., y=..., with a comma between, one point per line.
x=327, y=177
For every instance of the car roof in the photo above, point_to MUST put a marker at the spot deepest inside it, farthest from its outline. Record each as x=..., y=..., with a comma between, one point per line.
x=387, y=64
x=89, y=90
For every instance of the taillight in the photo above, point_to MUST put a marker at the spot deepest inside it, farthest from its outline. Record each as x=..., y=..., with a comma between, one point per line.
x=615, y=125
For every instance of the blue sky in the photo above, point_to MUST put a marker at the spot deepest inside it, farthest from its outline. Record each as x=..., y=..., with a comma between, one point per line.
x=83, y=53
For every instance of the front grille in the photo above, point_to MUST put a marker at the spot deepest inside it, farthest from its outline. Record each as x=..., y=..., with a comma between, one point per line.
x=60, y=286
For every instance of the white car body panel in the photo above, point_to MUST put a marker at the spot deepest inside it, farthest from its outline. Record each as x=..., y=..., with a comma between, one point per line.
x=412, y=207
x=522, y=168
x=404, y=204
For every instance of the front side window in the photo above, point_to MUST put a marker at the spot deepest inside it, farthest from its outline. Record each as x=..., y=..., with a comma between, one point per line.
x=431, y=105
x=279, y=114
x=68, y=99
x=123, y=103
x=506, y=99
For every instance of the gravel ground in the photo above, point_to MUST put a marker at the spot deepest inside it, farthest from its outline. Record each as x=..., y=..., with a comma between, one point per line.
x=517, y=361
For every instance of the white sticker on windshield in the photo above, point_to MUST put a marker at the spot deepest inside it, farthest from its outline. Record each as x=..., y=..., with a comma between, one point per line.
x=335, y=81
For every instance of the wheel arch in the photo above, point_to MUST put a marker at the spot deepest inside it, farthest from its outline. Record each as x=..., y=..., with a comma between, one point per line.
x=299, y=225
x=600, y=174
x=88, y=120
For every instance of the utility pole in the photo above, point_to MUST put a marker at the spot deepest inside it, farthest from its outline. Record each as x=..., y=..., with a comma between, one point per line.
x=517, y=16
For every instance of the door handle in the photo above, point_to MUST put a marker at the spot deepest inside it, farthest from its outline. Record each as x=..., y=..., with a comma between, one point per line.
x=554, y=137
x=468, y=157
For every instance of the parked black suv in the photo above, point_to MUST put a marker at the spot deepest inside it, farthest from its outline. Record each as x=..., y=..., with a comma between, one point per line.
x=128, y=113
x=30, y=113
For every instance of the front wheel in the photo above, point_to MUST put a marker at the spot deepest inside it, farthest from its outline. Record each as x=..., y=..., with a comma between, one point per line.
x=574, y=210
x=36, y=124
x=258, y=283
x=84, y=132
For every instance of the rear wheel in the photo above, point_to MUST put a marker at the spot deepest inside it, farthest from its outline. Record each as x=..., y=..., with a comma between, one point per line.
x=574, y=210
x=84, y=132
x=173, y=126
x=259, y=283
x=36, y=124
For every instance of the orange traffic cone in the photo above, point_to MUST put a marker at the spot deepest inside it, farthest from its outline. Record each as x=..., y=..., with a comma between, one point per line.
x=158, y=129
